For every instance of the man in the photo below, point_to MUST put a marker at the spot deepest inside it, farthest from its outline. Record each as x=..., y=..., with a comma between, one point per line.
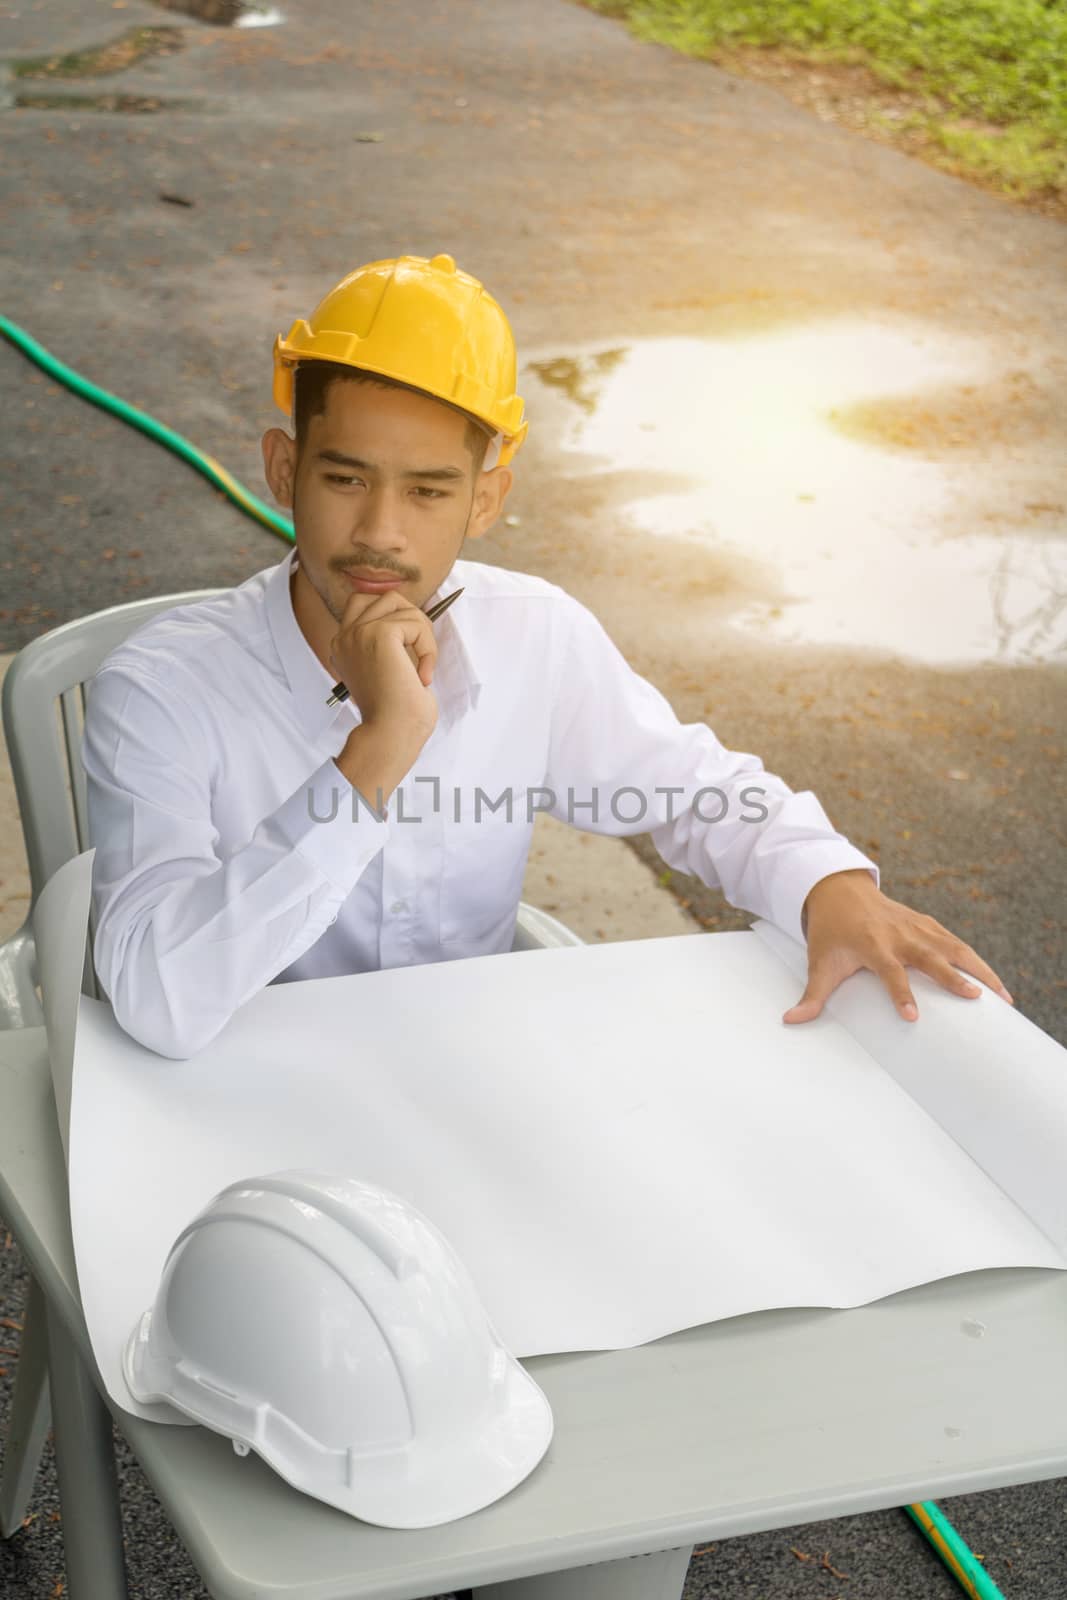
x=248, y=831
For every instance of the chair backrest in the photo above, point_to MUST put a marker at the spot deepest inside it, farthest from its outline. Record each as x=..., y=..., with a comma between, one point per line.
x=44, y=715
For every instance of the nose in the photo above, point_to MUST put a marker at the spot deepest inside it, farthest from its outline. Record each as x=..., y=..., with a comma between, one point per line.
x=377, y=523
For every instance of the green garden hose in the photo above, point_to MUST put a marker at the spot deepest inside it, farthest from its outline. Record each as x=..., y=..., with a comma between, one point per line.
x=960, y=1560
x=211, y=469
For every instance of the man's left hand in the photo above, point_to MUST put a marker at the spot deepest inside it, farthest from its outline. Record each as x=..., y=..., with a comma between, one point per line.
x=851, y=924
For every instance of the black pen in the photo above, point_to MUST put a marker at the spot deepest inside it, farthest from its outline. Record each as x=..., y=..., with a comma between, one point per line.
x=341, y=693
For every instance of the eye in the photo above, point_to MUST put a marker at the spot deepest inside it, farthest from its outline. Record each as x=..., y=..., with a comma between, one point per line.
x=430, y=494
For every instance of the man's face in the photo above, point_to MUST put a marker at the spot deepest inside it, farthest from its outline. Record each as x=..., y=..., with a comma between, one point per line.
x=384, y=482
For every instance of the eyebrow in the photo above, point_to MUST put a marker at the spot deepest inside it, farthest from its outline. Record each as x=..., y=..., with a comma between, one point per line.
x=341, y=460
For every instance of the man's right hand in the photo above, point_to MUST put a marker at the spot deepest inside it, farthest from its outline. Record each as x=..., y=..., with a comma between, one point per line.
x=384, y=654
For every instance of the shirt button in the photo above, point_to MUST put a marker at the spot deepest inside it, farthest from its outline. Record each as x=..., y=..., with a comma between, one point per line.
x=399, y=905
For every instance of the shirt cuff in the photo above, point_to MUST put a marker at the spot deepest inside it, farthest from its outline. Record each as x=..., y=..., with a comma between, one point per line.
x=796, y=879
x=328, y=821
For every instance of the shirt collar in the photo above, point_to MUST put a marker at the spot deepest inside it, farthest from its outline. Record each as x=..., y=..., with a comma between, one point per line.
x=457, y=677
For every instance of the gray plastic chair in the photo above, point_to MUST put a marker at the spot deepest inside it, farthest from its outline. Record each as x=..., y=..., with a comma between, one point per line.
x=43, y=717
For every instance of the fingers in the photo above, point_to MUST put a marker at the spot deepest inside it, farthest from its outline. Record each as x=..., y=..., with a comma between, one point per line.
x=413, y=625
x=820, y=986
x=946, y=973
x=366, y=607
x=425, y=665
x=960, y=955
x=886, y=958
x=895, y=978
x=963, y=956
x=418, y=636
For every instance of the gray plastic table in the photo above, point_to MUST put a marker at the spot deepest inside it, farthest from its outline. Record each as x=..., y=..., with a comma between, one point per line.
x=755, y=1422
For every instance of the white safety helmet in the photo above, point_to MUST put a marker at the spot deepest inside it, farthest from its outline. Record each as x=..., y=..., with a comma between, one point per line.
x=328, y=1325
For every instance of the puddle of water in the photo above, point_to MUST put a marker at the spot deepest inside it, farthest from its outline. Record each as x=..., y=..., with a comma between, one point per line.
x=226, y=13
x=131, y=47
x=753, y=443
x=128, y=104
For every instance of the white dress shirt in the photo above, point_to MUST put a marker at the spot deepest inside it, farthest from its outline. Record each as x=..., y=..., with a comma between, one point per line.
x=232, y=852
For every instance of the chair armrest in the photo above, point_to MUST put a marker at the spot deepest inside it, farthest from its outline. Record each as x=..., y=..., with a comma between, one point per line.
x=20, y=1006
x=536, y=930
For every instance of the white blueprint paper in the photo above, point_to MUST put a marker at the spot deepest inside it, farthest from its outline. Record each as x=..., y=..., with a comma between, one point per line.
x=988, y=1075
x=619, y=1140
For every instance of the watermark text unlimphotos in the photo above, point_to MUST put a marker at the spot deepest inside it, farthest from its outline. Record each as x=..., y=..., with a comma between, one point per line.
x=627, y=804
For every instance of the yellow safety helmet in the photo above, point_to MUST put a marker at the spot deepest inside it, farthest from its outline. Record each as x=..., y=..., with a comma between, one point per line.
x=423, y=322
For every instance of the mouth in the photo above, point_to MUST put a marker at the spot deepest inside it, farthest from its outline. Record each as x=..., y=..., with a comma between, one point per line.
x=372, y=581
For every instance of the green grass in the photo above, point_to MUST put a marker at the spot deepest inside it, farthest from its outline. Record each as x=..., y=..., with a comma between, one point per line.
x=997, y=61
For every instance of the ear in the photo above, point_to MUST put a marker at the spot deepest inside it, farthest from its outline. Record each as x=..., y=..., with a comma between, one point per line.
x=490, y=492
x=279, y=464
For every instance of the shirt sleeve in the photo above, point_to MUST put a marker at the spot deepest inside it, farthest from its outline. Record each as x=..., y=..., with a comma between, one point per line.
x=621, y=763
x=182, y=936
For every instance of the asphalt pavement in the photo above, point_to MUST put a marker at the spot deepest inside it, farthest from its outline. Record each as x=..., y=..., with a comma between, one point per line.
x=607, y=191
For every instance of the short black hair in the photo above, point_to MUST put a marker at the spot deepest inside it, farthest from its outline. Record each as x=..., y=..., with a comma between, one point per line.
x=311, y=382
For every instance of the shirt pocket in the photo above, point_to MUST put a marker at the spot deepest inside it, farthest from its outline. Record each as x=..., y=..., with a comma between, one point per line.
x=483, y=872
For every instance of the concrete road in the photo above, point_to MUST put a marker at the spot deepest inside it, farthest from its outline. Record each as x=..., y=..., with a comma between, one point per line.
x=659, y=232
